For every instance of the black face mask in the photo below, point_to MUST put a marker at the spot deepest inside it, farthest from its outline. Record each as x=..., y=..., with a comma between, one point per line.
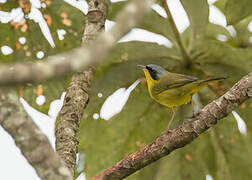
x=153, y=73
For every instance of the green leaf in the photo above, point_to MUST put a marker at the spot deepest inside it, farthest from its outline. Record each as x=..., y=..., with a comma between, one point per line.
x=213, y=30
x=220, y=4
x=243, y=34
x=224, y=60
x=114, y=9
x=236, y=10
x=57, y=14
x=232, y=150
x=52, y=90
x=136, y=51
x=152, y=22
x=157, y=24
x=198, y=13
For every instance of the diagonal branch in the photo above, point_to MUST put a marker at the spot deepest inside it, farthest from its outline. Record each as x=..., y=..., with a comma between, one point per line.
x=182, y=135
x=184, y=53
x=76, y=97
x=79, y=59
x=32, y=142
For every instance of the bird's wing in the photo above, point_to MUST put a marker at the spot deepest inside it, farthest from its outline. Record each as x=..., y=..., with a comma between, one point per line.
x=172, y=80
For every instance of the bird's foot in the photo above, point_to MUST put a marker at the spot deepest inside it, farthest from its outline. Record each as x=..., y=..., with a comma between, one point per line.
x=168, y=130
x=194, y=114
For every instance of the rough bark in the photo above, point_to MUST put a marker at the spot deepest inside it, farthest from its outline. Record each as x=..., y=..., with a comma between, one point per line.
x=76, y=97
x=32, y=142
x=81, y=58
x=183, y=135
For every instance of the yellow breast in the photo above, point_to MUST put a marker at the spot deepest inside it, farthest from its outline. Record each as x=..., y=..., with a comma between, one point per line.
x=172, y=97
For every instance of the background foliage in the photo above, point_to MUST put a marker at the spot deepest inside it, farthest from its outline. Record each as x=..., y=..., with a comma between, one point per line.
x=222, y=151
x=58, y=15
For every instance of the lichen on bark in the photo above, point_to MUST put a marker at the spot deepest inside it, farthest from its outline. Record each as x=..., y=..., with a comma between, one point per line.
x=33, y=144
x=77, y=98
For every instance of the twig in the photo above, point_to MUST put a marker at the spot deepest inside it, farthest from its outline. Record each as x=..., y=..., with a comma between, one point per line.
x=76, y=97
x=32, y=142
x=183, y=135
x=184, y=53
x=79, y=59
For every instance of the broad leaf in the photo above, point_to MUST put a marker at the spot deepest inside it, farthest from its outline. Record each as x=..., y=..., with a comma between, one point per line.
x=198, y=13
x=213, y=30
x=152, y=22
x=136, y=51
x=236, y=10
x=224, y=60
x=59, y=16
x=221, y=4
x=52, y=90
x=243, y=34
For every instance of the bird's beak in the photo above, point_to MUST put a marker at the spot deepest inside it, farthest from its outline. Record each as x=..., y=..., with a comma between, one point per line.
x=141, y=66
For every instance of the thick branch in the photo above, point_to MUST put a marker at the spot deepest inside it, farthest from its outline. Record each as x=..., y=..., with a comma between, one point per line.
x=183, y=135
x=184, y=53
x=28, y=137
x=76, y=97
x=80, y=58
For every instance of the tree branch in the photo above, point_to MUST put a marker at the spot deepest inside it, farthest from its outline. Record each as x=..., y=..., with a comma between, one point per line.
x=79, y=59
x=28, y=137
x=182, y=135
x=184, y=53
x=76, y=97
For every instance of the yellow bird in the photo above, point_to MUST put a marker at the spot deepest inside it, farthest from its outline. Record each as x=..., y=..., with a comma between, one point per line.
x=171, y=89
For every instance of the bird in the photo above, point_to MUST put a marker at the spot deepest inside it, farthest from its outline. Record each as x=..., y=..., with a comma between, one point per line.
x=172, y=89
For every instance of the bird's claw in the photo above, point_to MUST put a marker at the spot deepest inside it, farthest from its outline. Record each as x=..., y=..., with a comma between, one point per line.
x=194, y=115
x=168, y=130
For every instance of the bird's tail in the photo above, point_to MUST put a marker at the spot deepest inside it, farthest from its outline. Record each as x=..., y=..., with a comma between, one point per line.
x=202, y=83
x=214, y=79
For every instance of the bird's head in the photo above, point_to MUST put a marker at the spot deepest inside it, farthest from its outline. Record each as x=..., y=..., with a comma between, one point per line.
x=155, y=71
